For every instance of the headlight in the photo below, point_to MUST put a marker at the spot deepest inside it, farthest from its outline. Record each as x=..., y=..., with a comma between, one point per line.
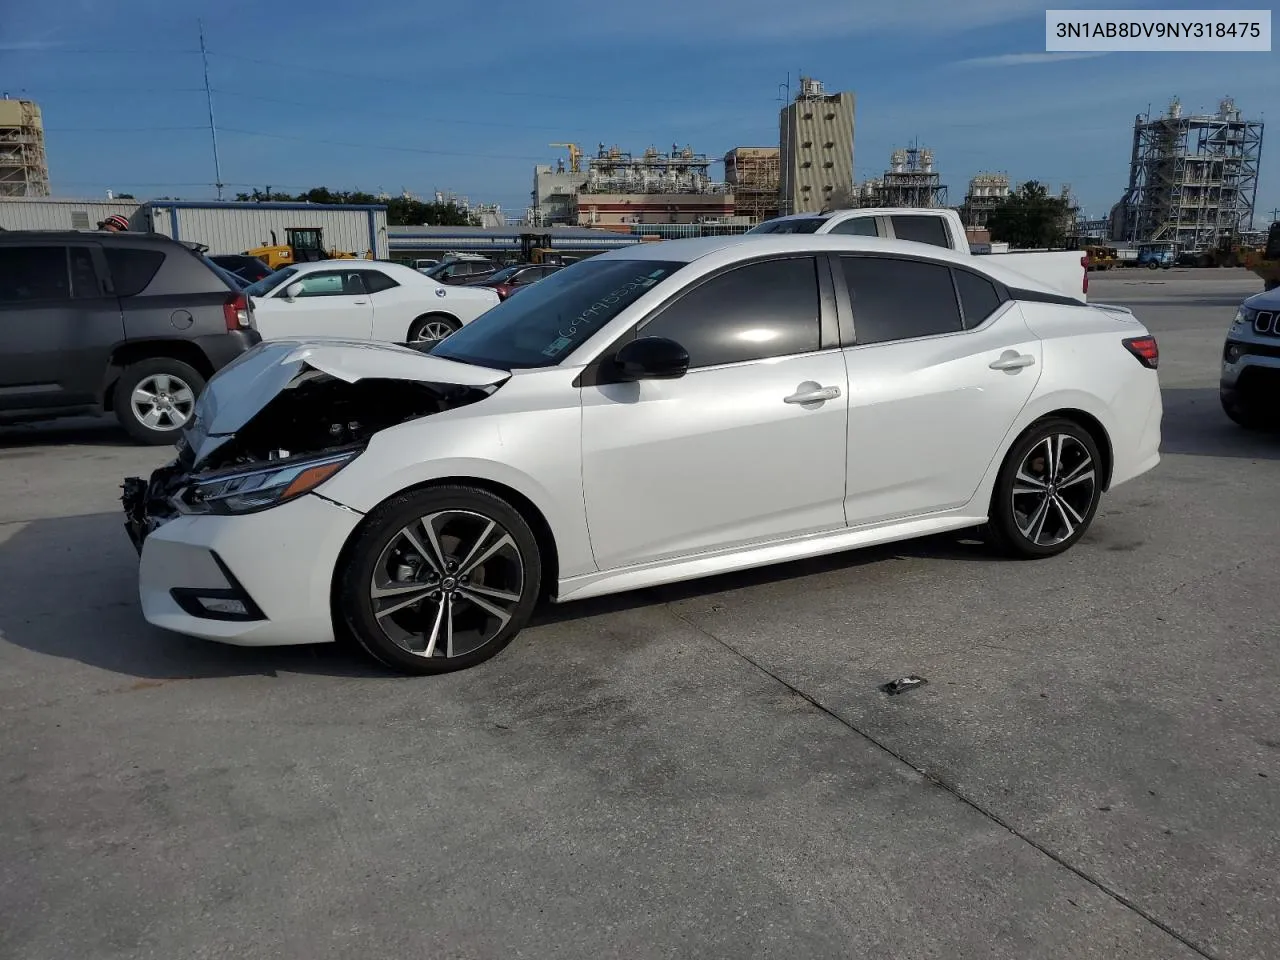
x=245, y=490
x=1244, y=318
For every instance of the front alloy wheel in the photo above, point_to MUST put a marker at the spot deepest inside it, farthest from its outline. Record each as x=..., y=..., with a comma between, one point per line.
x=440, y=579
x=1048, y=490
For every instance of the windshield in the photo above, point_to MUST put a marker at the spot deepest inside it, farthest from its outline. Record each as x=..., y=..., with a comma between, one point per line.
x=553, y=317
x=502, y=275
x=803, y=225
x=270, y=282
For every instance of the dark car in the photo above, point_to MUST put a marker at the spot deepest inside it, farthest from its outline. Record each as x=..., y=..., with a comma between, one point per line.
x=462, y=271
x=509, y=279
x=127, y=323
x=247, y=268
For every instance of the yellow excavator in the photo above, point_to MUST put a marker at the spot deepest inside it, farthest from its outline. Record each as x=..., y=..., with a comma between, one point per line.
x=1266, y=262
x=302, y=245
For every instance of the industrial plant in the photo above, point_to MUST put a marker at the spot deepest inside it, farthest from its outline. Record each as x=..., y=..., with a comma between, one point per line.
x=910, y=181
x=1193, y=178
x=815, y=144
x=24, y=169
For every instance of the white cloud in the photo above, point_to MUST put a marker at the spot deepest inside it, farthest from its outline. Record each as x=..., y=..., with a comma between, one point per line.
x=1021, y=59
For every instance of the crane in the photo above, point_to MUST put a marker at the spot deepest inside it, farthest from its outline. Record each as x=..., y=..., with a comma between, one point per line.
x=575, y=155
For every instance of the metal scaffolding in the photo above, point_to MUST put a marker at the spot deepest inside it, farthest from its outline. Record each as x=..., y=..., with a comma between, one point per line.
x=752, y=174
x=986, y=192
x=910, y=181
x=1193, y=179
x=681, y=171
x=24, y=169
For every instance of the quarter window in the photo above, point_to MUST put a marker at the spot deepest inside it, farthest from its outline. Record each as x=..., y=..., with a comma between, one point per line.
x=84, y=278
x=899, y=299
x=375, y=281
x=767, y=309
x=132, y=269
x=920, y=229
x=33, y=273
x=978, y=297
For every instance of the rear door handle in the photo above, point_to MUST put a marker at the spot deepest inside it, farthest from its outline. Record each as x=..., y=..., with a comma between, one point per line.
x=361, y=303
x=1012, y=361
x=812, y=393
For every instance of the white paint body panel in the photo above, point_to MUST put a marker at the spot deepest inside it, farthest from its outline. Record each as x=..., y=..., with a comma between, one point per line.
x=384, y=316
x=643, y=484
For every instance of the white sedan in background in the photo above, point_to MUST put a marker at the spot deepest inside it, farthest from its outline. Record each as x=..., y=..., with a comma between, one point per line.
x=654, y=414
x=362, y=300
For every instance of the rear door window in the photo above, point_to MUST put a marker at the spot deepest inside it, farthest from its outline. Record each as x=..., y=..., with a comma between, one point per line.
x=899, y=299
x=33, y=274
x=132, y=268
x=920, y=229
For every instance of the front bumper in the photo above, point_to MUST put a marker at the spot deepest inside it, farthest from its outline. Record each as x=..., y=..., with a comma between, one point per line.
x=1252, y=363
x=260, y=579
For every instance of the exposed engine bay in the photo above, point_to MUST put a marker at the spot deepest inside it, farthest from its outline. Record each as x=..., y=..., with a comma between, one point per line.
x=316, y=416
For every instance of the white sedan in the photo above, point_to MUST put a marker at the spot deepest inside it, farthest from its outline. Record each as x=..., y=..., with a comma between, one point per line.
x=362, y=299
x=653, y=414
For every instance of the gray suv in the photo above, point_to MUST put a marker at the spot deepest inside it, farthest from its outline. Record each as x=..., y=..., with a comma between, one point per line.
x=126, y=323
x=1250, y=383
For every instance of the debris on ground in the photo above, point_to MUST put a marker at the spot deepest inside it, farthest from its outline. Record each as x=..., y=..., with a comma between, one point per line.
x=902, y=685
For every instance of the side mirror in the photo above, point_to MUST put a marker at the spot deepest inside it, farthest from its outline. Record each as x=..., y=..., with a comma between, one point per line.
x=652, y=358
x=293, y=290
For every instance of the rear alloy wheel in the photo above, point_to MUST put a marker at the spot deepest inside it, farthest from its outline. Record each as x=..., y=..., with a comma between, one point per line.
x=1047, y=492
x=439, y=579
x=433, y=327
x=155, y=399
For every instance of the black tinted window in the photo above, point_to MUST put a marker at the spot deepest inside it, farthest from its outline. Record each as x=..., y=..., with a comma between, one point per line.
x=857, y=227
x=376, y=281
x=978, y=297
x=804, y=225
x=33, y=273
x=132, y=269
x=84, y=278
x=920, y=229
x=767, y=309
x=899, y=299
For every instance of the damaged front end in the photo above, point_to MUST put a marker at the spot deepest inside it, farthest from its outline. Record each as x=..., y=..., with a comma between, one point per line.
x=285, y=417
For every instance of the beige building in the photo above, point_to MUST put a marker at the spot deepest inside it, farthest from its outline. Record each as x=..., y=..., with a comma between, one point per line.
x=815, y=141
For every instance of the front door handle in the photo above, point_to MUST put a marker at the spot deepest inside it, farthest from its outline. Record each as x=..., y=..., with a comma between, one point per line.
x=810, y=392
x=361, y=303
x=1011, y=360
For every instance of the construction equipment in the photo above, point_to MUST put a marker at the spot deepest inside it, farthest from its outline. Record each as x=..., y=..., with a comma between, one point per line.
x=302, y=245
x=1102, y=257
x=575, y=155
x=1266, y=263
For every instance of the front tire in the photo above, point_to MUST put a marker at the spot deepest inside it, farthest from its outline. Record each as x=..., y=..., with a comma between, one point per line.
x=1047, y=491
x=439, y=579
x=431, y=328
x=154, y=399
x=1242, y=411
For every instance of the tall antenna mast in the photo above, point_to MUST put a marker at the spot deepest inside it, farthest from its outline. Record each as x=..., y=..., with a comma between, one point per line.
x=213, y=129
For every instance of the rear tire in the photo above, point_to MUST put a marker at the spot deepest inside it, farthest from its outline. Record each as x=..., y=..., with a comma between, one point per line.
x=432, y=328
x=1047, y=491
x=155, y=399
x=439, y=579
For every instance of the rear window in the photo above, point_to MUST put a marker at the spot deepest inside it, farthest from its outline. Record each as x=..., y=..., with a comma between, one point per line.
x=132, y=268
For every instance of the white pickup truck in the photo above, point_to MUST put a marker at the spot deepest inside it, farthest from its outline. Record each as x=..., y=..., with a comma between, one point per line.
x=1065, y=270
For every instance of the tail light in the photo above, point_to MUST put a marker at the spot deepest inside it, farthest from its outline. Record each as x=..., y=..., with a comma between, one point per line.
x=1145, y=349
x=236, y=312
x=1084, y=262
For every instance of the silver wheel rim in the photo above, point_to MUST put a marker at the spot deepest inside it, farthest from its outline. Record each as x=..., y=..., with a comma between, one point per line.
x=432, y=330
x=1053, y=490
x=162, y=402
x=447, y=584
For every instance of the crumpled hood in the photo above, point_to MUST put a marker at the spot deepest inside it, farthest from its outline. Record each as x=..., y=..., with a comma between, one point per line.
x=247, y=384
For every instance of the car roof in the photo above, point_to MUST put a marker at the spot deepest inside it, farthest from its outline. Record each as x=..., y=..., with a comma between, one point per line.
x=72, y=236
x=726, y=250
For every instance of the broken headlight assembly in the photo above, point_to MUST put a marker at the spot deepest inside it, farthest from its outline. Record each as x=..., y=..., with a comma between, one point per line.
x=261, y=485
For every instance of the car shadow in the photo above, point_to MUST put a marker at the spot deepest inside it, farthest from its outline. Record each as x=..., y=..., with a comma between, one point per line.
x=69, y=589
x=1195, y=425
x=98, y=431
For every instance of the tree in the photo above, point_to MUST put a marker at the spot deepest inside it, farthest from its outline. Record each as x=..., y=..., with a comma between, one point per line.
x=125, y=196
x=1030, y=217
x=401, y=211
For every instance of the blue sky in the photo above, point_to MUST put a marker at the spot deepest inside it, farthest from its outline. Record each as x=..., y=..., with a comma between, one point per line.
x=465, y=97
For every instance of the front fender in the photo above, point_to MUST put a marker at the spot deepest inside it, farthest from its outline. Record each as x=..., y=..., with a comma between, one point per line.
x=541, y=465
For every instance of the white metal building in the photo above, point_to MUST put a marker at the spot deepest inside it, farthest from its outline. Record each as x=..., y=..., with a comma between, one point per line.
x=232, y=227
x=43, y=213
